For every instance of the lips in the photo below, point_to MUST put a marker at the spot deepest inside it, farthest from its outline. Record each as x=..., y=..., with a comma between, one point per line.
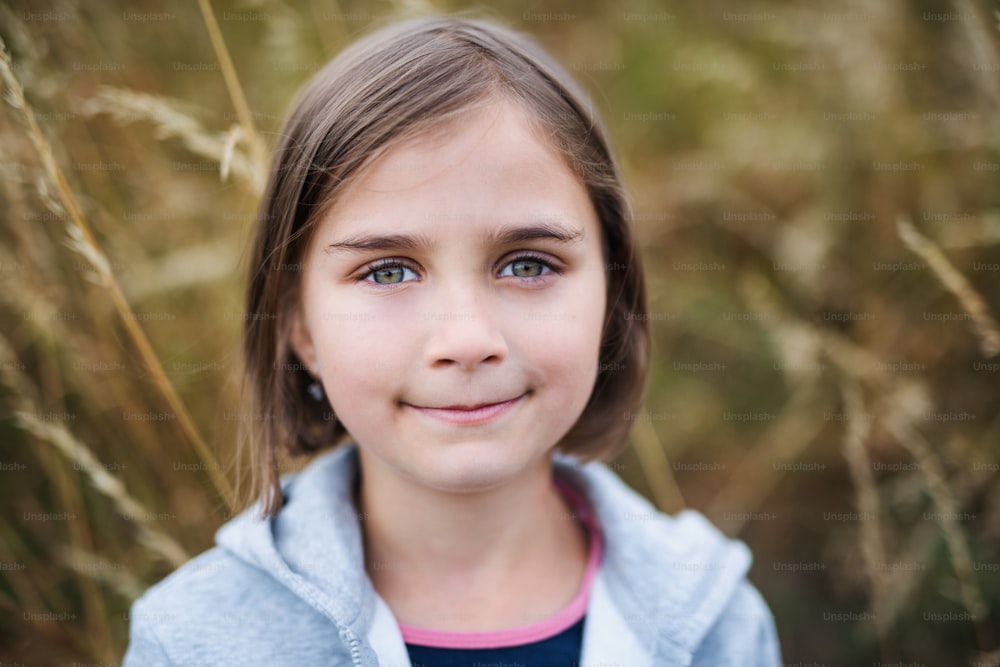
x=469, y=414
x=466, y=407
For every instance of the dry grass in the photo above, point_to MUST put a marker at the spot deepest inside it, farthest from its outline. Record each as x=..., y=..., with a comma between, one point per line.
x=873, y=550
x=129, y=106
x=837, y=269
x=247, y=125
x=983, y=324
x=83, y=241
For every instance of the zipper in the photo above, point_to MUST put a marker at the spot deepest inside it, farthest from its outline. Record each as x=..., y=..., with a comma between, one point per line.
x=353, y=644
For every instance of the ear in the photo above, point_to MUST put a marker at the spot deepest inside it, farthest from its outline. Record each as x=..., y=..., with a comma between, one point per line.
x=301, y=340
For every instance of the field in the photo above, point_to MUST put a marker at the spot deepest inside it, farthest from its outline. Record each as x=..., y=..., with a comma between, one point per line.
x=816, y=197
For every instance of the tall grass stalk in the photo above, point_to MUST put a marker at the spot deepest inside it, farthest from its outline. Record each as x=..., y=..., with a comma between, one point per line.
x=28, y=593
x=755, y=476
x=873, y=549
x=128, y=106
x=85, y=242
x=983, y=324
x=250, y=134
x=947, y=506
x=95, y=611
x=158, y=542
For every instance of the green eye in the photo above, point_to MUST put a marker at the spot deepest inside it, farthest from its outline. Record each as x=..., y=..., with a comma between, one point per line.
x=395, y=273
x=388, y=275
x=526, y=268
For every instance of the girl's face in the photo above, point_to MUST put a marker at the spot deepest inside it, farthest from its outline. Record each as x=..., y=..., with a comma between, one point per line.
x=462, y=269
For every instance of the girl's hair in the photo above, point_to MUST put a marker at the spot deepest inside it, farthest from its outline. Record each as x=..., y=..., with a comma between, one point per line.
x=398, y=82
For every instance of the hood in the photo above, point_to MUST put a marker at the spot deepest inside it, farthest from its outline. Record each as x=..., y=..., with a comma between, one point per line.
x=313, y=546
x=671, y=576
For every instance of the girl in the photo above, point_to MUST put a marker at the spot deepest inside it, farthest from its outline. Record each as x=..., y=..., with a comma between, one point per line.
x=444, y=276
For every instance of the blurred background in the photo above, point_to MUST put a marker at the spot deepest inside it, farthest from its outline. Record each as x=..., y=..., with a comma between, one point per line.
x=815, y=187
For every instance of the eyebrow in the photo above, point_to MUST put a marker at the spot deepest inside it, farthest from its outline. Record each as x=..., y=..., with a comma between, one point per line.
x=542, y=230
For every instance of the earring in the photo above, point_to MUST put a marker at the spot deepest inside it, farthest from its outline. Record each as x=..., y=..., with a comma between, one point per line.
x=315, y=390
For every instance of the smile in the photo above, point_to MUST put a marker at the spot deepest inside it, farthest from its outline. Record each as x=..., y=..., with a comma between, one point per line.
x=469, y=415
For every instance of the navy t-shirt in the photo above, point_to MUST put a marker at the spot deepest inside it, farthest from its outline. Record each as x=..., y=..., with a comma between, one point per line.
x=561, y=650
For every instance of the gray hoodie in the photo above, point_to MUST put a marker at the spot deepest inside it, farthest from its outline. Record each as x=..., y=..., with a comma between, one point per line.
x=293, y=590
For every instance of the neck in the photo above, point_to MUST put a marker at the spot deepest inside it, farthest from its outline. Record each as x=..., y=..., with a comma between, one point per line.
x=466, y=546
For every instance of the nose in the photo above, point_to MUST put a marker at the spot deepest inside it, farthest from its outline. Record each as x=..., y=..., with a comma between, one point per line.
x=463, y=331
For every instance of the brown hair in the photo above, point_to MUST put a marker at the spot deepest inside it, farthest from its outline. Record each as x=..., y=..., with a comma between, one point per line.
x=397, y=82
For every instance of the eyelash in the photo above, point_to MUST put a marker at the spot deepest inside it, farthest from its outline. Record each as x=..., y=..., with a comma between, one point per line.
x=392, y=263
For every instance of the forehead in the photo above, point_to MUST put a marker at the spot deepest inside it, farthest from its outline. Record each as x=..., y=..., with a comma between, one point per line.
x=488, y=161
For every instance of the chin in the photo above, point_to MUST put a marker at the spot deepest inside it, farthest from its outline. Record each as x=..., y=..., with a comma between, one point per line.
x=471, y=470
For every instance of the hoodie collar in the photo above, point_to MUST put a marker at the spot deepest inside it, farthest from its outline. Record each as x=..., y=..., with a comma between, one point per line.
x=671, y=577
x=313, y=546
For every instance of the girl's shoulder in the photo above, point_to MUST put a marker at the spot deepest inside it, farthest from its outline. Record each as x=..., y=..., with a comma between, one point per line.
x=678, y=572
x=218, y=609
x=266, y=594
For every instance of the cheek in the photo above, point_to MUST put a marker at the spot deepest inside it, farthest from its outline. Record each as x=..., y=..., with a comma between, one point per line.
x=366, y=352
x=357, y=374
x=352, y=357
x=566, y=340
x=589, y=306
